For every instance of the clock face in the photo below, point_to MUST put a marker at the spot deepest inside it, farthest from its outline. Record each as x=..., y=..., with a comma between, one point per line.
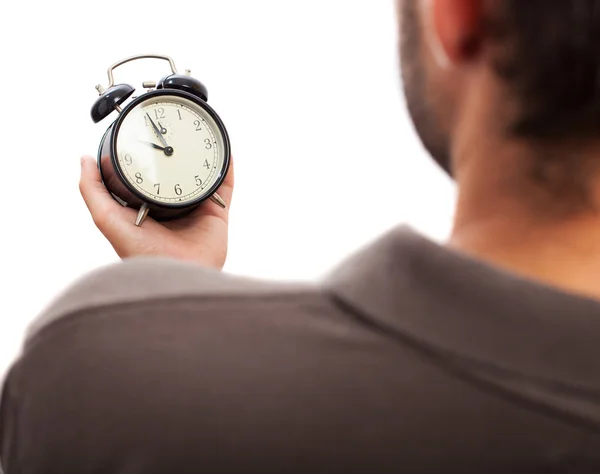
x=171, y=150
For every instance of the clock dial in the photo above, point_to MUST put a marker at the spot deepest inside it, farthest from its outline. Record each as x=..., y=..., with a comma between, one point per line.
x=170, y=150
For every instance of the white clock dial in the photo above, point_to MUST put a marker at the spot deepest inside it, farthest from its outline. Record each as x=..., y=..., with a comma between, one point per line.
x=170, y=150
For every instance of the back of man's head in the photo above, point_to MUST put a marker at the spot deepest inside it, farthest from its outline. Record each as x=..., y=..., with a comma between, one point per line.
x=545, y=54
x=505, y=95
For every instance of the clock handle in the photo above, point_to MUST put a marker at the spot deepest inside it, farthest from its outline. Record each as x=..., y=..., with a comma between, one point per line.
x=111, y=80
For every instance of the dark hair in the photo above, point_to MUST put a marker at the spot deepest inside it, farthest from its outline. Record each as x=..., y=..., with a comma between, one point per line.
x=550, y=58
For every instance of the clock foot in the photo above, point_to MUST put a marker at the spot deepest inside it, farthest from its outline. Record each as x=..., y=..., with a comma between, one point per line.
x=141, y=217
x=218, y=200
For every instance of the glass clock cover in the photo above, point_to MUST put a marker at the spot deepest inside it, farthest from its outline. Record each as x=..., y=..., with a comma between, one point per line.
x=170, y=150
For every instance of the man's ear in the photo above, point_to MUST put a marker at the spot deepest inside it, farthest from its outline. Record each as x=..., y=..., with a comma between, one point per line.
x=453, y=29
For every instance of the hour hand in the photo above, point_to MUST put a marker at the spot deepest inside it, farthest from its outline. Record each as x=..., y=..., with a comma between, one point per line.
x=167, y=150
x=154, y=145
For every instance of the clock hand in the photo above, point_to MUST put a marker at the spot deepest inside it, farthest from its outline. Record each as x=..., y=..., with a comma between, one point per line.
x=154, y=145
x=168, y=150
x=163, y=130
x=157, y=131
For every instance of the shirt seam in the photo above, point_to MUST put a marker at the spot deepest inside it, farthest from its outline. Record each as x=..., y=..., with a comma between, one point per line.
x=461, y=371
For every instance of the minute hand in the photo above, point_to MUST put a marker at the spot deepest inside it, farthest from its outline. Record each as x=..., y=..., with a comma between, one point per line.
x=157, y=131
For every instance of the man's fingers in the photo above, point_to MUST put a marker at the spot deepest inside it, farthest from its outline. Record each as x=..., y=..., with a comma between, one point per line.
x=105, y=211
x=226, y=189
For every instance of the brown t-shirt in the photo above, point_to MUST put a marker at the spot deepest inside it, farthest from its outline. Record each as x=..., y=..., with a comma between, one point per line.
x=408, y=358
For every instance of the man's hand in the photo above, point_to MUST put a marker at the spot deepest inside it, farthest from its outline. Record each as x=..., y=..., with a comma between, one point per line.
x=198, y=237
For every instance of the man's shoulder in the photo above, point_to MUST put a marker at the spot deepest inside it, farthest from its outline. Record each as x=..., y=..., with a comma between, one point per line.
x=145, y=280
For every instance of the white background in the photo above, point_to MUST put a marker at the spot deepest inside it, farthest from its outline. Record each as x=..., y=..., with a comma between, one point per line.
x=326, y=158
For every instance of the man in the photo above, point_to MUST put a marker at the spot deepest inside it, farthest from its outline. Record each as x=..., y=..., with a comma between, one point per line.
x=481, y=356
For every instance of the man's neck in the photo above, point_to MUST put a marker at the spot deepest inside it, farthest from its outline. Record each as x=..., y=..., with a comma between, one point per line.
x=567, y=258
x=505, y=218
x=533, y=209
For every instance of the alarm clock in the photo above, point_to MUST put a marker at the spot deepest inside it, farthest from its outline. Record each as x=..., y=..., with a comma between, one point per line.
x=167, y=151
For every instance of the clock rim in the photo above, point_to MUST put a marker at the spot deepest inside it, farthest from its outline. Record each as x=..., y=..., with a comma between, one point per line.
x=186, y=95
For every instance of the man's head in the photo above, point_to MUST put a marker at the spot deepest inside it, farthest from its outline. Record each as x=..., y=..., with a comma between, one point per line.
x=524, y=70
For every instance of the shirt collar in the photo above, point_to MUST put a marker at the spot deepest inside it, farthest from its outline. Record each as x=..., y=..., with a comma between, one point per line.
x=472, y=309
